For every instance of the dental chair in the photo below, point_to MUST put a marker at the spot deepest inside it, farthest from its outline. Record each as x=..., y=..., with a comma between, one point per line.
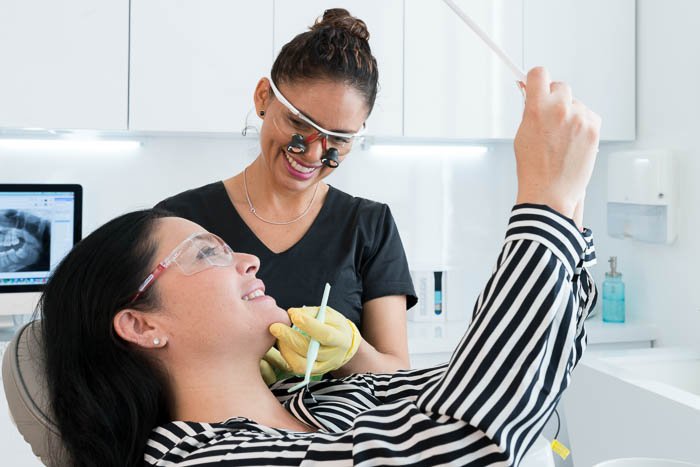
x=23, y=378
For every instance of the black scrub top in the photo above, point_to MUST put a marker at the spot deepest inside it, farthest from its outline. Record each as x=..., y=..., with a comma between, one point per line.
x=353, y=244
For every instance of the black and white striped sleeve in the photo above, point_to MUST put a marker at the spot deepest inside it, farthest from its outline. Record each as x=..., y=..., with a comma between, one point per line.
x=527, y=334
x=484, y=408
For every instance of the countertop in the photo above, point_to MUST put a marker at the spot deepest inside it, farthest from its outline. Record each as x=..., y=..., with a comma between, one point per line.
x=426, y=338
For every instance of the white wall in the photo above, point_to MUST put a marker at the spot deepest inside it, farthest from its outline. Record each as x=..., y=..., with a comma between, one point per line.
x=114, y=183
x=662, y=280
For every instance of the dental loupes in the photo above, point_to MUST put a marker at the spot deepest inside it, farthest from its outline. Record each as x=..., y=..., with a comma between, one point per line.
x=314, y=345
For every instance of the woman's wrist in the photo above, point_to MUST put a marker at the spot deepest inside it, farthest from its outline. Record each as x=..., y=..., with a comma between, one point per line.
x=359, y=362
x=367, y=359
x=563, y=206
x=578, y=214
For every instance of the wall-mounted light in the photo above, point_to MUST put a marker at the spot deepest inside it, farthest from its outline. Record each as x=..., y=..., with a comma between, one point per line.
x=428, y=150
x=69, y=144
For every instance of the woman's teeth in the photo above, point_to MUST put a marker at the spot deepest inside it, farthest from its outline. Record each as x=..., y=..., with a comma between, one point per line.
x=299, y=167
x=254, y=294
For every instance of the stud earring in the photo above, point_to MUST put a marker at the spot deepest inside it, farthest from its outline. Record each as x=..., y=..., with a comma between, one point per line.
x=156, y=341
x=262, y=113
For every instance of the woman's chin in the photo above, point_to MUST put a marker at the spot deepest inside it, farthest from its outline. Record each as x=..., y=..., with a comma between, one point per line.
x=275, y=314
x=283, y=317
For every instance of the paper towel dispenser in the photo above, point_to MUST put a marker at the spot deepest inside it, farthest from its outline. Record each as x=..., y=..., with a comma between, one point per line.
x=642, y=195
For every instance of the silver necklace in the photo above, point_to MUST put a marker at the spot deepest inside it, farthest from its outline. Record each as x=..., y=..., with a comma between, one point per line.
x=252, y=209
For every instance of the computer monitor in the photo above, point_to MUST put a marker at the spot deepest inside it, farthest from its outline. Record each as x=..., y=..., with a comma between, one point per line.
x=39, y=224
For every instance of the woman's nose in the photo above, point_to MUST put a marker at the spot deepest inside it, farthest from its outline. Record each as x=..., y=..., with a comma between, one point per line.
x=314, y=150
x=247, y=264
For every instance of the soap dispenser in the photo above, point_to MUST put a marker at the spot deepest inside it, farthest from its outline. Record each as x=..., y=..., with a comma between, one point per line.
x=613, y=294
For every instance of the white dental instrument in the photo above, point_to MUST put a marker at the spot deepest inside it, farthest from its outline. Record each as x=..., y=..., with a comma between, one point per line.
x=520, y=76
x=312, y=351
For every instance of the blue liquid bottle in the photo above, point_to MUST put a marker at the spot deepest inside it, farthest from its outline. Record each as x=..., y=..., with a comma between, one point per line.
x=438, y=293
x=613, y=294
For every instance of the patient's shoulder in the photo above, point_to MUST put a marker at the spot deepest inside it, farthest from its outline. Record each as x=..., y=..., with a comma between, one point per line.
x=180, y=441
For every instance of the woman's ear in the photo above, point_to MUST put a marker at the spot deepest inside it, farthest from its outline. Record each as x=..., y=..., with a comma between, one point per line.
x=139, y=328
x=262, y=97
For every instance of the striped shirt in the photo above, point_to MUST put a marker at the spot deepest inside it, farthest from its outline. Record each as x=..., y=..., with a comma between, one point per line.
x=484, y=408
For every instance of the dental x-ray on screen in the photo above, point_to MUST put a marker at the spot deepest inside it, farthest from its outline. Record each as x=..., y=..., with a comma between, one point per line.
x=39, y=224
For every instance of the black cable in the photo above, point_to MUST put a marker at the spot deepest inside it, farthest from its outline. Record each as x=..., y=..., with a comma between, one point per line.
x=558, y=423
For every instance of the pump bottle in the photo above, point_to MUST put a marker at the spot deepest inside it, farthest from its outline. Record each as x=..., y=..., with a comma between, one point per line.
x=613, y=294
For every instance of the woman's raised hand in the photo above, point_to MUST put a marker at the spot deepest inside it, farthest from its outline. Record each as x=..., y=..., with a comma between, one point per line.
x=556, y=145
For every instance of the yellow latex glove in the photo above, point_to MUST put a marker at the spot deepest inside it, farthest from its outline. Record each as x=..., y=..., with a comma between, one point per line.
x=272, y=359
x=338, y=336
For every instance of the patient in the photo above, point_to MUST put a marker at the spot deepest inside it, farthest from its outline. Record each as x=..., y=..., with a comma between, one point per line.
x=161, y=363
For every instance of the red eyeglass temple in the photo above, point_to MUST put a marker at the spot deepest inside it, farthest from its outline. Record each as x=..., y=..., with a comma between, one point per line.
x=160, y=269
x=312, y=137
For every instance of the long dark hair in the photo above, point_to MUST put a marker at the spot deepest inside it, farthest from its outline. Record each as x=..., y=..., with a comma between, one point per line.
x=105, y=395
x=335, y=48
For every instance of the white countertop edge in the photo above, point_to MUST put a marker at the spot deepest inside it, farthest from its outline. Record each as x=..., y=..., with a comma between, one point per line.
x=442, y=337
x=612, y=363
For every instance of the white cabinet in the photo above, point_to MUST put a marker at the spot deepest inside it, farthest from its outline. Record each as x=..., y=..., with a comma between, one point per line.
x=195, y=63
x=590, y=45
x=385, y=24
x=455, y=87
x=192, y=65
x=64, y=64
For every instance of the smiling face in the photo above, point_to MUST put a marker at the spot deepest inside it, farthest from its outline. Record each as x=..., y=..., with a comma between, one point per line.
x=221, y=310
x=332, y=105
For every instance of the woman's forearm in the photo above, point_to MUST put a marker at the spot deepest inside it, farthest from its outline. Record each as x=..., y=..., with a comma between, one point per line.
x=370, y=360
x=526, y=336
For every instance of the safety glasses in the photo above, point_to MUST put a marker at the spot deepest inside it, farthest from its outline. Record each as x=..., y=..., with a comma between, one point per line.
x=297, y=113
x=302, y=130
x=291, y=125
x=198, y=252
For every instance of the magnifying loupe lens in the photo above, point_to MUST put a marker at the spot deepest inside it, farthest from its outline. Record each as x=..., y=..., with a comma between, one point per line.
x=331, y=158
x=297, y=145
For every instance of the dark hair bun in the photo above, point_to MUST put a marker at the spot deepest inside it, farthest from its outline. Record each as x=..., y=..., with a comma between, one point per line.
x=336, y=48
x=340, y=18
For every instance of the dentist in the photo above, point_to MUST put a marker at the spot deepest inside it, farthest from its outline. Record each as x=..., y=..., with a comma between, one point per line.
x=322, y=89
